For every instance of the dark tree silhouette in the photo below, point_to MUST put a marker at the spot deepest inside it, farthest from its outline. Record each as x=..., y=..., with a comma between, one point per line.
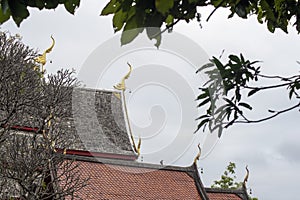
x=32, y=111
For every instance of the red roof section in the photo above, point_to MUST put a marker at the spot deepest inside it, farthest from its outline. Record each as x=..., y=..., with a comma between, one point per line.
x=116, y=182
x=223, y=196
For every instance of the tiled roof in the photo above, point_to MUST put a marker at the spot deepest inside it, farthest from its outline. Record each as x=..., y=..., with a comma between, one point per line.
x=94, y=122
x=226, y=194
x=222, y=196
x=99, y=120
x=129, y=180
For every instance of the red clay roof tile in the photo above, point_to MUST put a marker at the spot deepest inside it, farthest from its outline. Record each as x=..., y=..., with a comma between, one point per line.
x=133, y=183
x=223, y=196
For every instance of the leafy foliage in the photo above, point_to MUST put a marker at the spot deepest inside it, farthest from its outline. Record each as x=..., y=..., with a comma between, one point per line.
x=137, y=14
x=228, y=179
x=230, y=84
x=18, y=9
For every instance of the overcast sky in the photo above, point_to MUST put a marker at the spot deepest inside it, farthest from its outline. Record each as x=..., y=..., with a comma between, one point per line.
x=270, y=149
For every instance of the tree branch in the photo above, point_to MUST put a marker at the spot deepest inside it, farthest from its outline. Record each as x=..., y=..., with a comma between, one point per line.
x=270, y=117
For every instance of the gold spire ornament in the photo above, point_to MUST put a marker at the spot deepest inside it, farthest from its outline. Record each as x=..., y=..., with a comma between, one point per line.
x=42, y=58
x=122, y=87
x=246, y=177
x=138, y=149
x=198, y=155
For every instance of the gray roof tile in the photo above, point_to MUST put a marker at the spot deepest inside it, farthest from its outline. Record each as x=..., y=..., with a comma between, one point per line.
x=99, y=122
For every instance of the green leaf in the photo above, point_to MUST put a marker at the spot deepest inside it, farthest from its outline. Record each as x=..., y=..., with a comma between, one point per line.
x=169, y=20
x=202, y=96
x=291, y=92
x=4, y=6
x=154, y=33
x=18, y=11
x=132, y=28
x=241, y=11
x=297, y=84
x=221, y=108
x=207, y=65
x=39, y=4
x=129, y=35
x=253, y=92
x=219, y=65
x=119, y=19
x=230, y=103
x=203, y=122
x=260, y=15
x=71, y=5
x=230, y=123
x=235, y=58
x=237, y=93
x=163, y=6
x=111, y=7
x=218, y=3
x=204, y=102
x=4, y=15
x=271, y=27
x=245, y=105
x=51, y=4
x=220, y=130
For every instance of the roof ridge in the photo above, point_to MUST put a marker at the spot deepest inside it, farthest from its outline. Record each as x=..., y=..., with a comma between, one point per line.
x=224, y=190
x=128, y=163
x=199, y=184
x=97, y=89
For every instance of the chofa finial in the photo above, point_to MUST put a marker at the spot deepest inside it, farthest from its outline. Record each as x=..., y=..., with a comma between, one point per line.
x=122, y=87
x=198, y=155
x=246, y=177
x=42, y=58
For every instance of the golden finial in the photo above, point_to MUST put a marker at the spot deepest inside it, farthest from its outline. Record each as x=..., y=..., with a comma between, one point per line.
x=138, y=149
x=246, y=177
x=198, y=155
x=121, y=86
x=42, y=58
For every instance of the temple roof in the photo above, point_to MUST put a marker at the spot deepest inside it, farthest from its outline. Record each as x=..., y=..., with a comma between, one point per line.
x=122, y=179
x=226, y=194
x=98, y=120
x=117, y=179
x=94, y=122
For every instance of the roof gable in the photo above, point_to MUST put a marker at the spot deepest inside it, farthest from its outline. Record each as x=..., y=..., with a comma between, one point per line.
x=112, y=179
